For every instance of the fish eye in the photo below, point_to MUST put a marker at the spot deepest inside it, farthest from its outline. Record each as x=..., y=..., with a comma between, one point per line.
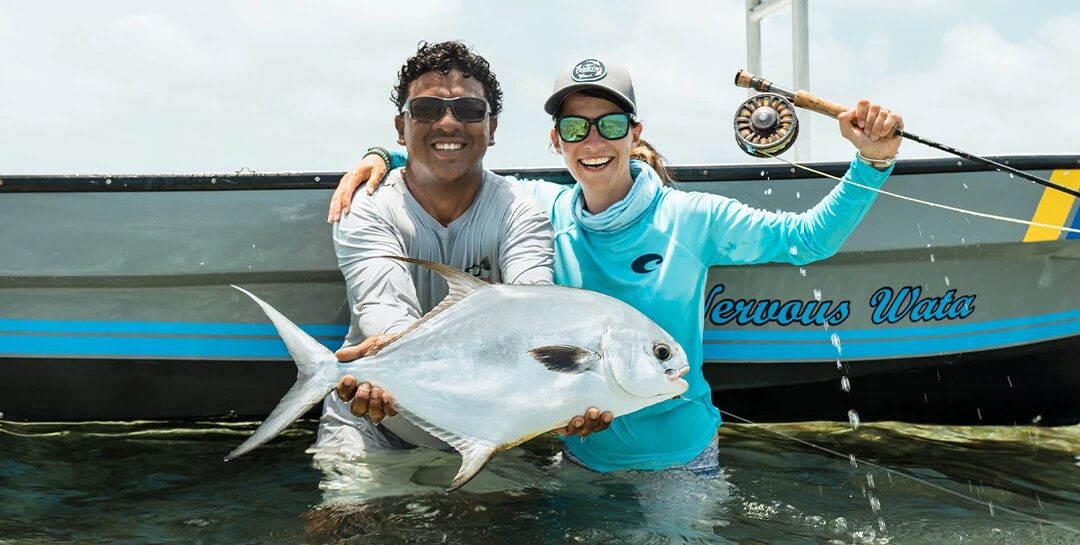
x=662, y=351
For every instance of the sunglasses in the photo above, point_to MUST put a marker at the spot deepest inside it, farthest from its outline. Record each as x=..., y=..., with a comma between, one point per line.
x=431, y=109
x=573, y=128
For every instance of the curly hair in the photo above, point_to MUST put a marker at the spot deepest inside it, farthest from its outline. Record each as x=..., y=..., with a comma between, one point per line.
x=442, y=58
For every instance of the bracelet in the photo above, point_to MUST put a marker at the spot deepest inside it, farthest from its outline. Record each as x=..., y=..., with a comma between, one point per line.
x=382, y=153
x=880, y=164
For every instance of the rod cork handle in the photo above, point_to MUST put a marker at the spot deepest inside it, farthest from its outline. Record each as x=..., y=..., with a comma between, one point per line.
x=813, y=103
x=749, y=81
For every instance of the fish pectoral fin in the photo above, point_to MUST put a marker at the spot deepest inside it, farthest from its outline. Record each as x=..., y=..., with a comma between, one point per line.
x=474, y=457
x=563, y=358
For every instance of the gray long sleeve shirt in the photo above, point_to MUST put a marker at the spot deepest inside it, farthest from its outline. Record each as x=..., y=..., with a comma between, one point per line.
x=503, y=237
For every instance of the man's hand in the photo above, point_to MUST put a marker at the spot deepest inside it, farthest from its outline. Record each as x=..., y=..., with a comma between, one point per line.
x=591, y=422
x=370, y=168
x=367, y=347
x=364, y=399
x=871, y=128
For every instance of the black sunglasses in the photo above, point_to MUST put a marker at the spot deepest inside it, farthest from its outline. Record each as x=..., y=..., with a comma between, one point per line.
x=431, y=109
x=574, y=128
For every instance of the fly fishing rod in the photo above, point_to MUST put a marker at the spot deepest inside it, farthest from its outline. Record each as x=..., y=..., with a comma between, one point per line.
x=766, y=125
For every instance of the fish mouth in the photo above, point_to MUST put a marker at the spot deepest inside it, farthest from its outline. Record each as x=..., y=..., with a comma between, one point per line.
x=676, y=374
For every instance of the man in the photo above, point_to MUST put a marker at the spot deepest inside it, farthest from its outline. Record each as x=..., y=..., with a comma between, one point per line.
x=443, y=207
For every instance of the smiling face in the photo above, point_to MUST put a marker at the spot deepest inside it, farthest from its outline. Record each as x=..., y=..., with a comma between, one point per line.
x=595, y=162
x=446, y=150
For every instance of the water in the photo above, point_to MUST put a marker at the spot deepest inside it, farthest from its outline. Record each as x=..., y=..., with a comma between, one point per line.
x=148, y=482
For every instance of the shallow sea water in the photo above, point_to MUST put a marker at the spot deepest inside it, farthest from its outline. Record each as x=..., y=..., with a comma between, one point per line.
x=154, y=482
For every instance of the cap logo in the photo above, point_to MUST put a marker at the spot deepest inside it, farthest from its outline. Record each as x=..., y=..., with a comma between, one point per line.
x=588, y=70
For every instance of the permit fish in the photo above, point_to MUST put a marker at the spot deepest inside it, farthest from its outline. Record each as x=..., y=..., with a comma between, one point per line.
x=494, y=365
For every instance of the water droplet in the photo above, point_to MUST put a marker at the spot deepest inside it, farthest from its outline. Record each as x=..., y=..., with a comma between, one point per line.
x=1011, y=175
x=881, y=524
x=845, y=384
x=817, y=294
x=931, y=258
x=1037, y=419
x=839, y=366
x=213, y=180
x=802, y=272
x=202, y=263
x=965, y=186
x=763, y=173
x=835, y=340
x=252, y=245
x=991, y=504
x=959, y=163
x=768, y=191
x=798, y=194
x=1009, y=380
x=853, y=419
x=794, y=250
x=870, y=480
x=947, y=283
x=962, y=241
x=793, y=170
x=875, y=504
x=978, y=411
x=317, y=178
x=851, y=460
x=108, y=181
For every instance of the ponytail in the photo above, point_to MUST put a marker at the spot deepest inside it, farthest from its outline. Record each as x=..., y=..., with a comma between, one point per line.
x=646, y=153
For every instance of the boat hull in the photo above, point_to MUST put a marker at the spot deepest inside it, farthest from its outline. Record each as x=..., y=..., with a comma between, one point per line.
x=115, y=300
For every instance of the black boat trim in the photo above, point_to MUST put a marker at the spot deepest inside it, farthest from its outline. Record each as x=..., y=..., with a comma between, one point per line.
x=328, y=180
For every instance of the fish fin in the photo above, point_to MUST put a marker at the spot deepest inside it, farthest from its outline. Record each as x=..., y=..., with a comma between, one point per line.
x=316, y=376
x=461, y=284
x=474, y=454
x=474, y=457
x=563, y=358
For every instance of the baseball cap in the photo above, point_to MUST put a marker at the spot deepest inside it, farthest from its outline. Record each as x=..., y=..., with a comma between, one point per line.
x=596, y=75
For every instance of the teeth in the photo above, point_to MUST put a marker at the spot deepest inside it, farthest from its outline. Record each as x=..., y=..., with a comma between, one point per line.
x=595, y=162
x=449, y=146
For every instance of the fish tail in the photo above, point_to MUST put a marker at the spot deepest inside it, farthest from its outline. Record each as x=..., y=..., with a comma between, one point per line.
x=316, y=376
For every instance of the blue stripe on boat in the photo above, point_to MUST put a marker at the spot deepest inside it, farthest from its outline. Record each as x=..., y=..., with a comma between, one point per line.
x=888, y=332
x=161, y=328
x=147, y=347
x=824, y=351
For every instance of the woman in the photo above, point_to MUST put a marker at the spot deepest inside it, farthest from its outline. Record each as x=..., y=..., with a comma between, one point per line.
x=621, y=230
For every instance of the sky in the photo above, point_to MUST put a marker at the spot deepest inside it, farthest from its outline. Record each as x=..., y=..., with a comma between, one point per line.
x=152, y=86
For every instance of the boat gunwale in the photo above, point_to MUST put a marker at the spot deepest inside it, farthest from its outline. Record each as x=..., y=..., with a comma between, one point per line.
x=247, y=181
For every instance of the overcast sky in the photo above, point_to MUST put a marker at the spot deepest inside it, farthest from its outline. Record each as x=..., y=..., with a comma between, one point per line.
x=215, y=86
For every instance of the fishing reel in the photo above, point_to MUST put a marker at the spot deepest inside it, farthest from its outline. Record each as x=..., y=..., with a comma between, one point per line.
x=766, y=125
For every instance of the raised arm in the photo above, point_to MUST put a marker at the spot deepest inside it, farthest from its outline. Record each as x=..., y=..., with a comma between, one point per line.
x=738, y=234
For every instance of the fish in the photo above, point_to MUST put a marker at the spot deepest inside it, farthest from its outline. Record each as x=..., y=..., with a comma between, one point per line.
x=494, y=365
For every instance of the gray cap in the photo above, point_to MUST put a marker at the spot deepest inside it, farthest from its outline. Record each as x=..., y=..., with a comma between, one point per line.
x=593, y=74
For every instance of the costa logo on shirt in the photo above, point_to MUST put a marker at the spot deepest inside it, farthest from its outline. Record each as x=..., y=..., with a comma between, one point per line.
x=641, y=265
x=588, y=70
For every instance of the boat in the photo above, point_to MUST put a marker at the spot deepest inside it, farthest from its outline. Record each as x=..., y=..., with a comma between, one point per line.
x=115, y=297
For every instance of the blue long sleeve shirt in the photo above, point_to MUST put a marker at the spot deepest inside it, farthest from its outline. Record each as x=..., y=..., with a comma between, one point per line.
x=653, y=250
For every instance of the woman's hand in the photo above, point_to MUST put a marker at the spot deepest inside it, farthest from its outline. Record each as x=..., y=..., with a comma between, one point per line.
x=591, y=422
x=369, y=171
x=872, y=129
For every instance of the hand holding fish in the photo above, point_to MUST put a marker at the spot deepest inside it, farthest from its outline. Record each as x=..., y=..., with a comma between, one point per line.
x=592, y=421
x=871, y=128
x=363, y=399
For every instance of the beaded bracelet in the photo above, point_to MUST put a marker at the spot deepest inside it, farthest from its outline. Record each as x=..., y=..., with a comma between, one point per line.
x=382, y=153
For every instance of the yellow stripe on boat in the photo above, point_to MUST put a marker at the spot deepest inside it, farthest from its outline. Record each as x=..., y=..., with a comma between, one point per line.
x=1054, y=207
